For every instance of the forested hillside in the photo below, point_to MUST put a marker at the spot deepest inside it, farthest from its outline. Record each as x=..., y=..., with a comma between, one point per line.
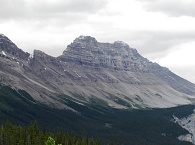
x=31, y=135
x=123, y=127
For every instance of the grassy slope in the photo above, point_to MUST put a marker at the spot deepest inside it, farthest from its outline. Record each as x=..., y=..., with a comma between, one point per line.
x=146, y=127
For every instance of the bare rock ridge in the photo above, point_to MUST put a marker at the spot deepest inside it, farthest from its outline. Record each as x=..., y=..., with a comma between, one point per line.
x=7, y=46
x=90, y=71
x=87, y=51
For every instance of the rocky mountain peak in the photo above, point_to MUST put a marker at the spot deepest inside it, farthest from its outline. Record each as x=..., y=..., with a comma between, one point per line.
x=85, y=39
x=120, y=44
x=8, y=48
x=39, y=53
x=86, y=50
x=82, y=43
x=40, y=56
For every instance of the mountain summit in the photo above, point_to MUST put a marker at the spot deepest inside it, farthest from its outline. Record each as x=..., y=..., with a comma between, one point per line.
x=7, y=46
x=86, y=50
x=111, y=74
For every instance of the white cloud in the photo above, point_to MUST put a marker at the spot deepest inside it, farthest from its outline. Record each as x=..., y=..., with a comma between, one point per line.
x=174, y=8
x=180, y=59
x=47, y=9
x=186, y=72
x=180, y=56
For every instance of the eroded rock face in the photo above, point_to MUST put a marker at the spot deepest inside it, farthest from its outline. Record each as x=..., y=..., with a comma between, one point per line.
x=85, y=50
x=89, y=70
x=8, y=47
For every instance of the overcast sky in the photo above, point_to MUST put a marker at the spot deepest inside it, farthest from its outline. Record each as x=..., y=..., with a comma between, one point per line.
x=161, y=30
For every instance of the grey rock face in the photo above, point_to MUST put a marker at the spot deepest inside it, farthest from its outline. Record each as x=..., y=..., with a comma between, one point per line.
x=7, y=46
x=187, y=123
x=89, y=70
x=85, y=50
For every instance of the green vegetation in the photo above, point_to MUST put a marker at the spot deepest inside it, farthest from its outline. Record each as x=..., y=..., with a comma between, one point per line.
x=51, y=141
x=134, y=127
x=17, y=135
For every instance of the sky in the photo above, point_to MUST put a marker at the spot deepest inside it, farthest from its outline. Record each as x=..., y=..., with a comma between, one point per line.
x=161, y=30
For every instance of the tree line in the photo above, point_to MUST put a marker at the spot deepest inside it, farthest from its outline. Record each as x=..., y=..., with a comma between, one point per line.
x=11, y=134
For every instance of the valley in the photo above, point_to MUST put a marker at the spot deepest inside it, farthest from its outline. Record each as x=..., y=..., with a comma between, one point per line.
x=148, y=126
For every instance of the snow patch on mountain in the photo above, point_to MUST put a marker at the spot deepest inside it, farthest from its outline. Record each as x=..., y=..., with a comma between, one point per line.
x=3, y=53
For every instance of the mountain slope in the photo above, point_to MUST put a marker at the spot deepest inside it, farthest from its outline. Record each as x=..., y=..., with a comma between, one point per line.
x=148, y=127
x=89, y=71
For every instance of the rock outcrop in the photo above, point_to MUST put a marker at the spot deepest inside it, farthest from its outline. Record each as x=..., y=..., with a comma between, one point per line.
x=85, y=50
x=187, y=123
x=7, y=46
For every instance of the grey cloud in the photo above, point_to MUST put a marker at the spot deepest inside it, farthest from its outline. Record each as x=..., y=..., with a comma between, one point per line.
x=161, y=41
x=24, y=9
x=11, y=8
x=174, y=8
x=74, y=6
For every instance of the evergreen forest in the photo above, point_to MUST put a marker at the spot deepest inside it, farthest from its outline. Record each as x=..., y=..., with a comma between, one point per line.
x=32, y=123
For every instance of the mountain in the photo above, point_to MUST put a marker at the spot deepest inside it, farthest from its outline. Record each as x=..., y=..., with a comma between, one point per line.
x=80, y=90
x=110, y=74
